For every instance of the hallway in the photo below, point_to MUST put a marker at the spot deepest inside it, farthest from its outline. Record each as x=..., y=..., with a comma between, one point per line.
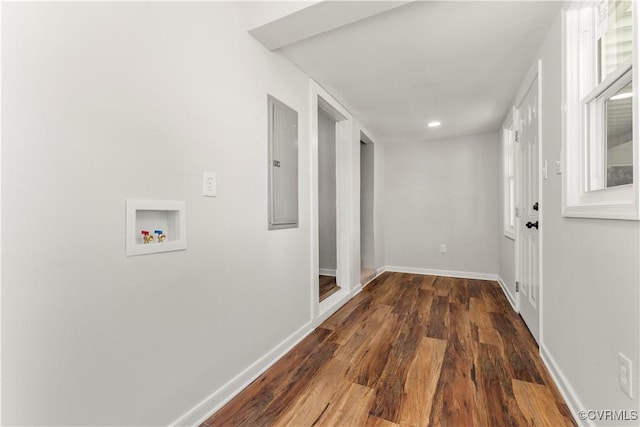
x=408, y=350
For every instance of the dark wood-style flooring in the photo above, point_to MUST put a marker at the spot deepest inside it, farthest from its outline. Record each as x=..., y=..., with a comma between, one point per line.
x=408, y=350
x=328, y=287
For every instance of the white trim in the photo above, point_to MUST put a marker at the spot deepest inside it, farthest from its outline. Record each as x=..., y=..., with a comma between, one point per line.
x=443, y=273
x=510, y=297
x=0, y=220
x=203, y=410
x=327, y=272
x=541, y=179
x=346, y=262
x=568, y=393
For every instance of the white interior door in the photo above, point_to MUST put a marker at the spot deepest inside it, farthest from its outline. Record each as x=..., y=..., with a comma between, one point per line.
x=528, y=207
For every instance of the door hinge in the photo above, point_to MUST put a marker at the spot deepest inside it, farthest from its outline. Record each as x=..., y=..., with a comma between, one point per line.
x=517, y=136
x=276, y=163
x=517, y=286
x=517, y=212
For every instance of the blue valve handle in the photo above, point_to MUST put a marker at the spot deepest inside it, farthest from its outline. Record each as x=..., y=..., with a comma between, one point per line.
x=157, y=231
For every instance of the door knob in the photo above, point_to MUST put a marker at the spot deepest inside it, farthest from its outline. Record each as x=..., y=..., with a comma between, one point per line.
x=532, y=225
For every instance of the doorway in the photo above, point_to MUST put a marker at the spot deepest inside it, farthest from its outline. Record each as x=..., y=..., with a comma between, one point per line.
x=367, y=246
x=528, y=246
x=327, y=209
x=347, y=265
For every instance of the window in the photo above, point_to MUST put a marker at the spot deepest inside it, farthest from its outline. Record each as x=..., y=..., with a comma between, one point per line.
x=601, y=169
x=509, y=178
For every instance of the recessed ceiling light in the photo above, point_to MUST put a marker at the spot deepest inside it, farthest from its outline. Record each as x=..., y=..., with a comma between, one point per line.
x=623, y=95
x=433, y=124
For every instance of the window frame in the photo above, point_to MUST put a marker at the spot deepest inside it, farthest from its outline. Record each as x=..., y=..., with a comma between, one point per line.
x=579, y=78
x=509, y=151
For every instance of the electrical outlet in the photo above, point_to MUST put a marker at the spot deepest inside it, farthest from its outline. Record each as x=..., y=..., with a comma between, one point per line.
x=625, y=375
x=209, y=184
x=443, y=248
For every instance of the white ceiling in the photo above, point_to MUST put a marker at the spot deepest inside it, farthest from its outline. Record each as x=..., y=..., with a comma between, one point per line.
x=458, y=62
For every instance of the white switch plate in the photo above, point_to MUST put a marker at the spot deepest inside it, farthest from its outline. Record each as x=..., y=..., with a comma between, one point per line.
x=625, y=374
x=443, y=248
x=209, y=184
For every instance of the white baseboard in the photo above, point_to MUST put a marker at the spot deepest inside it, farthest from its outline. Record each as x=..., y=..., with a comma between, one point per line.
x=443, y=273
x=564, y=386
x=505, y=290
x=327, y=272
x=199, y=413
x=380, y=270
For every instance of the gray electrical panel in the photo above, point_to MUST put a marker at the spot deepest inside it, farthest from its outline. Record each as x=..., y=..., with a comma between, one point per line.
x=283, y=165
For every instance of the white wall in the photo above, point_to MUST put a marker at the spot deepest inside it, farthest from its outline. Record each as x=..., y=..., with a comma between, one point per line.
x=443, y=192
x=327, y=191
x=106, y=101
x=590, y=278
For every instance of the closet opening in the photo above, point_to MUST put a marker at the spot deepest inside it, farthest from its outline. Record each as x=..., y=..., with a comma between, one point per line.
x=327, y=207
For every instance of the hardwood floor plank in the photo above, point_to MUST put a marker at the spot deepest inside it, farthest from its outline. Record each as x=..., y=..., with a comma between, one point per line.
x=455, y=402
x=320, y=392
x=501, y=406
x=518, y=355
x=428, y=282
x=373, y=355
x=458, y=292
x=475, y=288
x=494, y=298
x=442, y=286
x=408, y=300
x=437, y=322
x=478, y=313
x=408, y=350
x=490, y=336
x=351, y=410
x=538, y=405
x=390, y=387
x=391, y=289
x=345, y=327
x=421, y=383
x=367, y=337
x=379, y=422
x=423, y=305
x=337, y=319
